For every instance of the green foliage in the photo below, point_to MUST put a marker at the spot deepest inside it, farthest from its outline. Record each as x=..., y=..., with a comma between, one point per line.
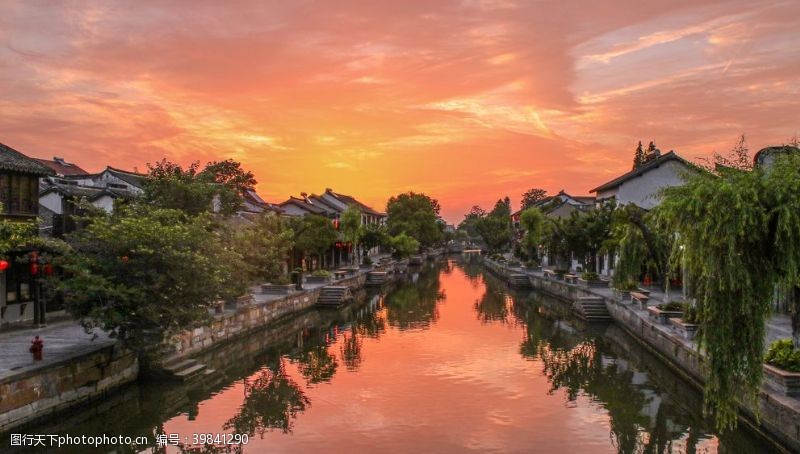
x=672, y=306
x=638, y=156
x=313, y=234
x=642, y=246
x=739, y=237
x=374, y=235
x=782, y=354
x=404, y=245
x=626, y=285
x=469, y=225
x=502, y=209
x=169, y=185
x=533, y=196
x=321, y=273
x=590, y=276
x=14, y=235
x=691, y=313
x=350, y=225
x=416, y=215
x=535, y=224
x=145, y=273
x=495, y=232
x=263, y=246
x=367, y=260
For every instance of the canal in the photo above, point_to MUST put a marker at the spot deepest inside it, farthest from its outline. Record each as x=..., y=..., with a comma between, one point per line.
x=448, y=359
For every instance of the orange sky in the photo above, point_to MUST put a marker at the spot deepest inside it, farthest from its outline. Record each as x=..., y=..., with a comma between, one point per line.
x=464, y=100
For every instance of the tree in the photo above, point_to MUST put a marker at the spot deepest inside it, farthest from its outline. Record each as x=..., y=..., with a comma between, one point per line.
x=469, y=224
x=263, y=246
x=638, y=156
x=404, y=245
x=533, y=196
x=144, y=273
x=641, y=245
x=495, y=232
x=350, y=226
x=502, y=209
x=415, y=215
x=374, y=235
x=738, y=238
x=534, y=223
x=313, y=234
x=230, y=173
x=219, y=187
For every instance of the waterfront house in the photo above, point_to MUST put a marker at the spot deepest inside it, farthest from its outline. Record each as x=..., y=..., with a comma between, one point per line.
x=641, y=187
x=19, y=196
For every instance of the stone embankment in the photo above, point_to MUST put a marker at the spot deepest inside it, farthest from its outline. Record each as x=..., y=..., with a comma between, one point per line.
x=778, y=414
x=89, y=369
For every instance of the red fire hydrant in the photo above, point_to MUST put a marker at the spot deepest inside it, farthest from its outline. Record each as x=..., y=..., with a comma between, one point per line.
x=37, y=345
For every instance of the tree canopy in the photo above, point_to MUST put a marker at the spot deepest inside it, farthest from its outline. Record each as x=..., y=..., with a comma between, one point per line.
x=533, y=196
x=416, y=215
x=738, y=238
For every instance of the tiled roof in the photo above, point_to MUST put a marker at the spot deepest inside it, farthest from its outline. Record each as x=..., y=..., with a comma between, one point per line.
x=304, y=205
x=91, y=193
x=11, y=159
x=61, y=167
x=132, y=178
x=350, y=201
x=644, y=168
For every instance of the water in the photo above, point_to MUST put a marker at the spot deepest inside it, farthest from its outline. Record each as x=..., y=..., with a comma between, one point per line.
x=448, y=360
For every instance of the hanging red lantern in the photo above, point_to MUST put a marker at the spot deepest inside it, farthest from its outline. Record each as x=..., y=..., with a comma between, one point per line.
x=48, y=270
x=34, y=269
x=124, y=259
x=3, y=265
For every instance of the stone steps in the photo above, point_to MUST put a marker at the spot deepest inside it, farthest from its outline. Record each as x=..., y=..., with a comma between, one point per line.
x=519, y=281
x=592, y=309
x=334, y=296
x=377, y=277
x=185, y=369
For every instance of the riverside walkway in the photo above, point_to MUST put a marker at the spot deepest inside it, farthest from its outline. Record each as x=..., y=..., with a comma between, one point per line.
x=63, y=341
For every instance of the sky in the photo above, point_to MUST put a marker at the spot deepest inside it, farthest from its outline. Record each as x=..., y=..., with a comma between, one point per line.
x=467, y=101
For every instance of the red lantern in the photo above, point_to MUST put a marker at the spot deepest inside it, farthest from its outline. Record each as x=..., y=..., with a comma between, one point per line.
x=48, y=270
x=34, y=269
x=3, y=265
x=124, y=259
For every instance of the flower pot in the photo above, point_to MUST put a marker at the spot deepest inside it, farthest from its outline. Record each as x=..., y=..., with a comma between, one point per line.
x=781, y=382
x=599, y=283
x=687, y=330
x=622, y=296
x=661, y=316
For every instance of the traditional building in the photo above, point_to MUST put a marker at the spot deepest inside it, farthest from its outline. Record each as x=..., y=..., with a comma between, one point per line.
x=642, y=185
x=19, y=196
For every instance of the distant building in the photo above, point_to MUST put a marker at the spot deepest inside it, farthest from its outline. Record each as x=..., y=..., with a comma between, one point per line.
x=61, y=167
x=642, y=185
x=329, y=204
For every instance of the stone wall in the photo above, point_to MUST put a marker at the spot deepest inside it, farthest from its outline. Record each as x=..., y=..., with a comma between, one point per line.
x=31, y=395
x=249, y=316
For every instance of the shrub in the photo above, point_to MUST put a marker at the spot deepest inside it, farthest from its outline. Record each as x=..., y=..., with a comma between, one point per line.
x=783, y=355
x=281, y=280
x=321, y=273
x=514, y=263
x=628, y=286
x=367, y=260
x=531, y=264
x=672, y=306
x=590, y=276
x=690, y=314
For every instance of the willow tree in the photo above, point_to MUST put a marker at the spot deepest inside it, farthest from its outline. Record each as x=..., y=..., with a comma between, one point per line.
x=738, y=236
x=534, y=222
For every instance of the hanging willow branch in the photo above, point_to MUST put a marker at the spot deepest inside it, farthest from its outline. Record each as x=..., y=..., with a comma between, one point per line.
x=740, y=232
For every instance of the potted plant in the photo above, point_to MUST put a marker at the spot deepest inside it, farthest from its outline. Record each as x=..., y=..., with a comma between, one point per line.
x=622, y=291
x=533, y=265
x=280, y=285
x=590, y=279
x=319, y=277
x=782, y=368
x=560, y=272
x=688, y=324
x=665, y=311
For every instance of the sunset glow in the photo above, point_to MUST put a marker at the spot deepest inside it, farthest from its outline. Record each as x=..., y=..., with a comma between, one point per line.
x=467, y=101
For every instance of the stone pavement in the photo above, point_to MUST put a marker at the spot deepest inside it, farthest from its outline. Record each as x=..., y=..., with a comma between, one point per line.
x=62, y=341
x=779, y=326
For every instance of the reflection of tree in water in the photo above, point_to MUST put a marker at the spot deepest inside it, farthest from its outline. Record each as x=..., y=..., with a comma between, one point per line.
x=350, y=349
x=582, y=369
x=316, y=363
x=372, y=323
x=272, y=401
x=413, y=304
x=494, y=305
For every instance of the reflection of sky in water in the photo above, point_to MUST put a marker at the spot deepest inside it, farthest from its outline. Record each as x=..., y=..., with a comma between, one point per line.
x=448, y=378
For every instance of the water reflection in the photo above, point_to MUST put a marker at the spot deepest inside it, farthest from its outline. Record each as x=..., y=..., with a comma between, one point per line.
x=448, y=359
x=272, y=400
